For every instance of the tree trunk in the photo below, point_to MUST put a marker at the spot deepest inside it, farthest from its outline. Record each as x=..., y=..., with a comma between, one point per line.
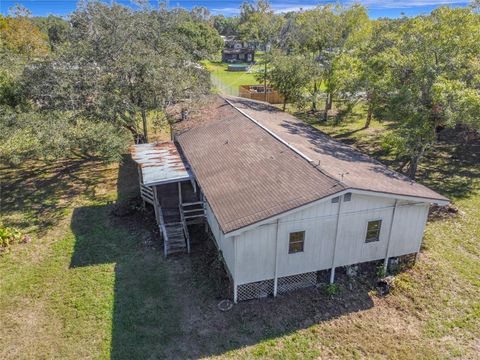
x=284, y=103
x=327, y=104
x=136, y=136
x=329, y=101
x=403, y=164
x=369, y=116
x=412, y=170
x=314, y=98
x=145, y=131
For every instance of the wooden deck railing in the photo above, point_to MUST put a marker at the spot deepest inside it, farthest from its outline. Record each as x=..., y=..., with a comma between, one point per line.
x=147, y=193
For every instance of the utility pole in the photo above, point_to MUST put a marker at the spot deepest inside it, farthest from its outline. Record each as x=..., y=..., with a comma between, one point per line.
x=265, y=72
x=265, y=79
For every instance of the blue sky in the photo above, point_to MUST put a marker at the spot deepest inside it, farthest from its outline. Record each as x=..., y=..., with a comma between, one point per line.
x=376, y=8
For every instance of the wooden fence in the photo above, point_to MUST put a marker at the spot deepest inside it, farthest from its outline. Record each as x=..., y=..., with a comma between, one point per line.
x=257, y=92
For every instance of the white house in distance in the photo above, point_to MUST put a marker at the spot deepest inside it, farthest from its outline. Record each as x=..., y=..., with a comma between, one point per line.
x=282, y=199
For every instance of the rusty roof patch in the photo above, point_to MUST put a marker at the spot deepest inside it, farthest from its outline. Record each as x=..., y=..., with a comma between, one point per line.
x=160, y=163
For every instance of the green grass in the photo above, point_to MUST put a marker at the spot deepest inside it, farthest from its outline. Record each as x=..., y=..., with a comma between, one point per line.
x=91, y=285
x=85, y=287
x=228, y=82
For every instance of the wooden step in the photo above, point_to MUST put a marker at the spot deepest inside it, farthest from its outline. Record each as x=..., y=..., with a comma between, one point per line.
x=175, y=242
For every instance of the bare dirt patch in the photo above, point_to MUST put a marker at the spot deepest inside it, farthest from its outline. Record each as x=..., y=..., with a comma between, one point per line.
x=207, y=331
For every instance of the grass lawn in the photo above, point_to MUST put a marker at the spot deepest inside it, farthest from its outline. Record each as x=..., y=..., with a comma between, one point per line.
x=228, y=82
x=86, y=286
x=95, y=285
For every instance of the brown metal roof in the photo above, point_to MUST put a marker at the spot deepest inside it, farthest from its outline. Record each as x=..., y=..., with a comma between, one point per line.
x=245, y=173
x=354, y=169
x=263, y=162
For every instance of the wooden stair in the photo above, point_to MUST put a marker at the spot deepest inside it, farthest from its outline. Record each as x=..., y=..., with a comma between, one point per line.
x=176, y=209
x=174, y=240
x=172, y=229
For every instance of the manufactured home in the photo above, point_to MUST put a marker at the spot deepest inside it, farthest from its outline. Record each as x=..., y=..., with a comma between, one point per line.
x=281, y=199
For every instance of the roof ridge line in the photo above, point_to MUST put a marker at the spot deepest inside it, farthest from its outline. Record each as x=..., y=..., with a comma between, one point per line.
x=291, y=147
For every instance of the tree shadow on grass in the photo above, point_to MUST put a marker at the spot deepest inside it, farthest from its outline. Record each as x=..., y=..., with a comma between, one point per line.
x=452, y=169
x=143, y=318
x=43, y=191
x=166, y=308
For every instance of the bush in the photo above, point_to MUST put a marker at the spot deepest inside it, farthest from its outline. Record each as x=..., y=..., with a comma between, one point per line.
x=10, y=236
x=380, y=271
x=332, y=289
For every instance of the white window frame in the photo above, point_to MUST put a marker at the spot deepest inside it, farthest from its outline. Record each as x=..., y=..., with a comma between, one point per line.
x=303, y=241
x=379, y=231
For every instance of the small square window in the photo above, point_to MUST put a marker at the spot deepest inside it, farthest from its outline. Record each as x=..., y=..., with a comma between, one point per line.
x=347, y=197
x=373, y=231
x=335, y=200
x=296, y=241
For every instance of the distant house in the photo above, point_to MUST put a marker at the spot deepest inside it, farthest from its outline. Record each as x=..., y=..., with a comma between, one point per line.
x=281, y=199
x=242, y=55
x=236, y=51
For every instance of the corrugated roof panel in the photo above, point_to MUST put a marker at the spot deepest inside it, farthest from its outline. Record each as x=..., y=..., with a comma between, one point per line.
x=160, y=163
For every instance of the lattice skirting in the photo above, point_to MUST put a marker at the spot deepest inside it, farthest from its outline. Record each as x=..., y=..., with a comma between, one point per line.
x=261, y=289
x=255, y=290
x=295, y=282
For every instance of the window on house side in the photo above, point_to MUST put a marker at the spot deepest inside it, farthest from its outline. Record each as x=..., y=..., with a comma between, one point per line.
x=373, y=231
x=296, y=241
x=347, y=197
x=335, y=200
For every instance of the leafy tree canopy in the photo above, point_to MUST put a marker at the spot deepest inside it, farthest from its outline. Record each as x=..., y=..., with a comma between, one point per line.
x=329, y=33
x=120, y=64
x=259, y=24
x=55, y=28
x=20, y=35
x=290, y=75
x=83, y=85
x=436, y=78
x=227, y=26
